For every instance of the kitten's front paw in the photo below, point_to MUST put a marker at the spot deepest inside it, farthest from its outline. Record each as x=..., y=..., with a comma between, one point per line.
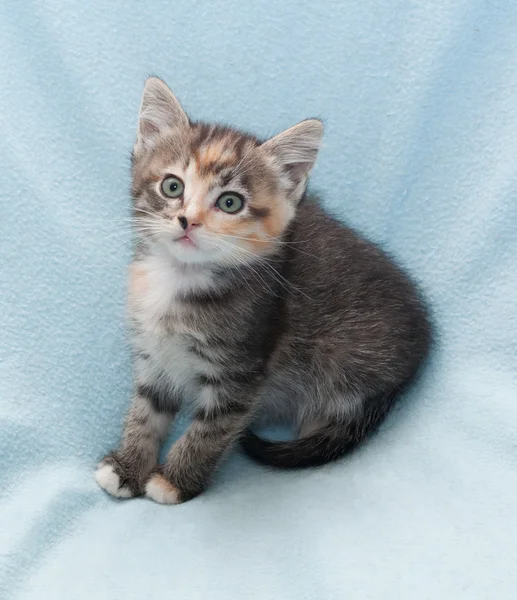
x=113, y=478
x=161, y=490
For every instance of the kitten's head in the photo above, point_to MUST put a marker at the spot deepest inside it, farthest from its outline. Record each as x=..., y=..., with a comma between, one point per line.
x=210, y=194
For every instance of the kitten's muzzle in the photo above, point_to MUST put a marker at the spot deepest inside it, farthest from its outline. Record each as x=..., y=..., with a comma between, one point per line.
x=183, y=221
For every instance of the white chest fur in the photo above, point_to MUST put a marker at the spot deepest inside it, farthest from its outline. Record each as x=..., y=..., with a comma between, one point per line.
x=156, y=282
x=159, y=331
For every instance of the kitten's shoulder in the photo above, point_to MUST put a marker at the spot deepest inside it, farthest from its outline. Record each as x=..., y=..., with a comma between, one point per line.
x=325, y=239
x=314, y=224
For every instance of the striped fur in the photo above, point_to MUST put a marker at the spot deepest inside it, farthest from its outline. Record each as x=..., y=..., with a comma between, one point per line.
x=276, y=312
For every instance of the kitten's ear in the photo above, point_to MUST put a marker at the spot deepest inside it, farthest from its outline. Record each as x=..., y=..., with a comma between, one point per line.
x=159, y=110
x=295, y=151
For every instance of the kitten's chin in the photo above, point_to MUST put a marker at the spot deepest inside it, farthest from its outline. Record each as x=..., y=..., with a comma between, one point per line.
x=190, y=254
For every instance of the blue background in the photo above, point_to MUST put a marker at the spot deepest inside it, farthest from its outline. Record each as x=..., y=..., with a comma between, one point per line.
x=419, y=101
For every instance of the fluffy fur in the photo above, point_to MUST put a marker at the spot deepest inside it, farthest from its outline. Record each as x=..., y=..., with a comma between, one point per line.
x=273, y=312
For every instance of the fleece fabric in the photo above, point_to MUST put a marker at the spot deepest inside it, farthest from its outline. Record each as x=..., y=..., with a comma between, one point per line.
x=419, y=101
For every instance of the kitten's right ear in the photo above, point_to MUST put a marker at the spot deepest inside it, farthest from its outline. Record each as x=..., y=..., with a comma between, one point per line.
x=295, y=150
x=159, y=110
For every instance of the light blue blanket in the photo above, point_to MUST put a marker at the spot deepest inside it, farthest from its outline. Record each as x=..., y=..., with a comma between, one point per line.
x=420, y=153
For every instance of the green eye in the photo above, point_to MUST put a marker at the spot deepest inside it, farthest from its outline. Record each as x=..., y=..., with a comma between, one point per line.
x=230, y=202
x=172, y=187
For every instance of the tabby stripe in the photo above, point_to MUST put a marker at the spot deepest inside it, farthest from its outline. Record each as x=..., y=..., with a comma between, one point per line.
x=227, y=408
x=158, y=399
x=199, y=353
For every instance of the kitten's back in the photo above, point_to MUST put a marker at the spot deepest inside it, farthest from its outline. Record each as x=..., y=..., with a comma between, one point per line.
x=356, y=331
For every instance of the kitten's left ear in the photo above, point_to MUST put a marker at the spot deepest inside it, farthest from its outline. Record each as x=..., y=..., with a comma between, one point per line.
x=159, y=111
x=295, y=151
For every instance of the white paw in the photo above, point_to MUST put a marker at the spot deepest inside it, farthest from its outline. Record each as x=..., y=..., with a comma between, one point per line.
x=162, y=491
x=106, y=477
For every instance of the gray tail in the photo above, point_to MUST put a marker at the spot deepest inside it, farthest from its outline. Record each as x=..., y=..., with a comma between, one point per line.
x=324, y=445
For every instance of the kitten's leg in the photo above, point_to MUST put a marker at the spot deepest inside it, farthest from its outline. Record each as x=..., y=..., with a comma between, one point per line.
x=194, y=457
x=124, y=472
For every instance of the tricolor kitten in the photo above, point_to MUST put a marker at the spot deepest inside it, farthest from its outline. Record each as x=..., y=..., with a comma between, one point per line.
x=250, y=303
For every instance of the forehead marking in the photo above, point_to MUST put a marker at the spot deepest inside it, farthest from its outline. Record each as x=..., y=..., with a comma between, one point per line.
x=215, y=156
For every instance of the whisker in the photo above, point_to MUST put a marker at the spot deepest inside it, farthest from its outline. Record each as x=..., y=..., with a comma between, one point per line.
x=278, y=277
x=244, y=263
x=276, y=241
x=235, y=262
x=257, y=276
x=145, y=212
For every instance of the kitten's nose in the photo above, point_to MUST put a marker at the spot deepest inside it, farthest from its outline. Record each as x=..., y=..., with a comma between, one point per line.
x=183, y=222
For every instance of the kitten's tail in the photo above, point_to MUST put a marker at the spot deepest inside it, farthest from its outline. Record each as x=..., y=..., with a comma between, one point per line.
x=319, y=448
x=322, y=446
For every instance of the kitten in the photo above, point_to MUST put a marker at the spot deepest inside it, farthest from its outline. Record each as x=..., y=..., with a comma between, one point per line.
x=248, y=303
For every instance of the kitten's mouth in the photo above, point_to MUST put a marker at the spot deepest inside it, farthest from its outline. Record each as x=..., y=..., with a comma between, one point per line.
x=186, y=241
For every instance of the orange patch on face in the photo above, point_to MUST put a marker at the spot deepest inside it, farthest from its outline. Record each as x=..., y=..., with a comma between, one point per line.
x=260, y=246
x=259, y=228
x=273, y=224
x=197, y=214
x=215, y=153
x=244, y=231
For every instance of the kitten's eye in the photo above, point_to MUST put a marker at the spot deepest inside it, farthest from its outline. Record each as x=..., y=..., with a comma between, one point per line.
x=172, y=187
x=230, y=202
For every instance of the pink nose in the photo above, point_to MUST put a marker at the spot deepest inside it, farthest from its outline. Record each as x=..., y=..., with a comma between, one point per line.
x=186, y=225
